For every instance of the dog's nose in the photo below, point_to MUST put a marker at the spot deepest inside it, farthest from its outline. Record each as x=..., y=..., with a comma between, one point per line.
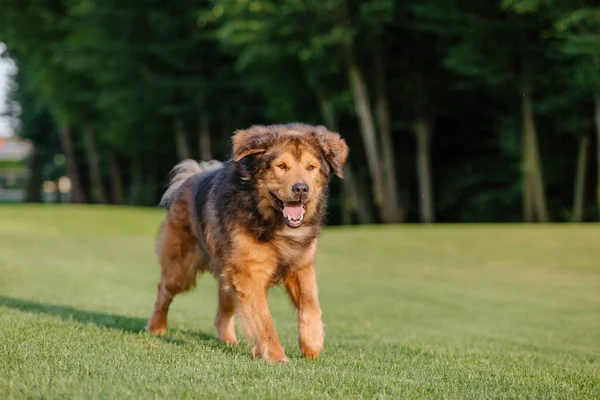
x=300, y=188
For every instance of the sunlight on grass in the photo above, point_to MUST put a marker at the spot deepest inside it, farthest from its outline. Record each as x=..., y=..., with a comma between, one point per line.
x=410, y=312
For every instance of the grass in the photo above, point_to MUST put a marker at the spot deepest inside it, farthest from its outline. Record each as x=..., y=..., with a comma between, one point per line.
x=485, y=311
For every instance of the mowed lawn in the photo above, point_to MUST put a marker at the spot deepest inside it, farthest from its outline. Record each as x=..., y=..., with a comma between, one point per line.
x=446, y=311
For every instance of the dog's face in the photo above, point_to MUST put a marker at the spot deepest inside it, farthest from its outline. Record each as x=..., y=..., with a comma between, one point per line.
x=294, y=163
x=293, y=178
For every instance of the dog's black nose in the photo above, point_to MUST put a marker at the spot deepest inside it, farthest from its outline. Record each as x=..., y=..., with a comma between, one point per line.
x=300, y=188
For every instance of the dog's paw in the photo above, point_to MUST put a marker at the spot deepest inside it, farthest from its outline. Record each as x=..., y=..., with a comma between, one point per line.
x=156, y=329
x=311, y=338
x=227, y=336
x=310, y=353
x=269, y=354
x=230, y=342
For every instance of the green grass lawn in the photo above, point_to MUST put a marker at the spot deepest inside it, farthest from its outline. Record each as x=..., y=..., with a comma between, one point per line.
x=487, y=311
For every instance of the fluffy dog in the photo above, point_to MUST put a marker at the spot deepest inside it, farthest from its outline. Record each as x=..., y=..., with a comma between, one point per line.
x=253, y=222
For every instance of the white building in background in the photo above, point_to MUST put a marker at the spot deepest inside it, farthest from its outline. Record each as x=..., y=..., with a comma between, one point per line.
x=13, y=168
x=14, y=149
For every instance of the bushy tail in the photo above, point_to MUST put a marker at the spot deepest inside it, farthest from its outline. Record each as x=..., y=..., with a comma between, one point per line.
x=181, y=172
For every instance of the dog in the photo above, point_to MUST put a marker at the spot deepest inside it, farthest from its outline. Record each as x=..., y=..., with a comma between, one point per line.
x=252, y=222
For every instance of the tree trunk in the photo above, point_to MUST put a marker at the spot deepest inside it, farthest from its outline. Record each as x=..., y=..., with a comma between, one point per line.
x=183, y=148
x=597, y=118
x=526, y=180
x=346, y=211
x=116, y=180
x=532, y=162
x=78, y=196
x=423, y=133
x=204, y=136
x=392, y=199
x=353, y=197
x=33, y=190
x=98, y=191
x=579, y=193
x=526, y=183
x=368, y=133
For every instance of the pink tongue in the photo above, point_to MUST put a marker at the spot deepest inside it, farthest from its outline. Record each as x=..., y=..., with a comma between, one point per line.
x=293, y=210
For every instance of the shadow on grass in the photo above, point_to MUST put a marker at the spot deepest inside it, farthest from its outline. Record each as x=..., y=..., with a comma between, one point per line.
x=110, y=321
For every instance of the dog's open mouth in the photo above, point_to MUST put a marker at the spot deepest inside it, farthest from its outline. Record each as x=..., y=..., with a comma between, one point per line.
x=293, y=212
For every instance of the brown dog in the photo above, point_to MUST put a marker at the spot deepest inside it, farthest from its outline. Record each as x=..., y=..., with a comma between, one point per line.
x=253, y=222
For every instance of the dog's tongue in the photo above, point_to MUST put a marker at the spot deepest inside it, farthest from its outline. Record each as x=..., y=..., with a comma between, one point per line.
x=293, y=210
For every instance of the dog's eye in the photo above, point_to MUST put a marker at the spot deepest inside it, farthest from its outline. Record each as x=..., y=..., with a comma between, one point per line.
x=310, y=167
x=281, y=166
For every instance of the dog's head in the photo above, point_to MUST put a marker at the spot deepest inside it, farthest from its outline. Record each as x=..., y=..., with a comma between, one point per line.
x=291, y=166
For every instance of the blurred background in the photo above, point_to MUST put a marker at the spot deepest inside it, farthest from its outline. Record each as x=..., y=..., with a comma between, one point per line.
x=454, y=110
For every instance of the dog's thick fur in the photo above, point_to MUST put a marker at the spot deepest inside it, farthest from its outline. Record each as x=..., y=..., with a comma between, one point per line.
x=252, y=222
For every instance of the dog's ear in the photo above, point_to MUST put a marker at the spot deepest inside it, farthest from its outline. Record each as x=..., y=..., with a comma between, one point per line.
x=334, y=148
x=254, y=140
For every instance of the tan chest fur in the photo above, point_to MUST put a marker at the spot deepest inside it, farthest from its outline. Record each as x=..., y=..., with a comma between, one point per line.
x=285, y=251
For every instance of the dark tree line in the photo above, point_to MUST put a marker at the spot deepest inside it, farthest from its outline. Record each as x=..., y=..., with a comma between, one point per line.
x=455, y=110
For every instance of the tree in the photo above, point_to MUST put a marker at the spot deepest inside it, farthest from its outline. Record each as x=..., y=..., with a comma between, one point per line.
x=305, y=35
x=579, y=28
x=427, y=104
x=512, y=63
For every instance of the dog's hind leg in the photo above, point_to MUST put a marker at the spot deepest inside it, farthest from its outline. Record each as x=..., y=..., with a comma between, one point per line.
x=180, y=262
x=225, y=314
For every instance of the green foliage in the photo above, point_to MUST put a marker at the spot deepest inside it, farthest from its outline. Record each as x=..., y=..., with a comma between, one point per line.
x=134, y=71
x=522, y=6
x=580, y=30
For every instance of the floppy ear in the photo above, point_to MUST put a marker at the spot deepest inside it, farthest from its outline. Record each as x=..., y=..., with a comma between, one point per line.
x=254, y=140
x=335, y=150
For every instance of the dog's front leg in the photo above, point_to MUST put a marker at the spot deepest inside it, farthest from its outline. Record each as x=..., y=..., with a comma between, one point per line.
x=252, y=307
x=301, y=285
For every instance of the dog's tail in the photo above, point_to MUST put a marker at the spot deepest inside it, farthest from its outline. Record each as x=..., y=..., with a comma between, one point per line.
x=181, y=172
